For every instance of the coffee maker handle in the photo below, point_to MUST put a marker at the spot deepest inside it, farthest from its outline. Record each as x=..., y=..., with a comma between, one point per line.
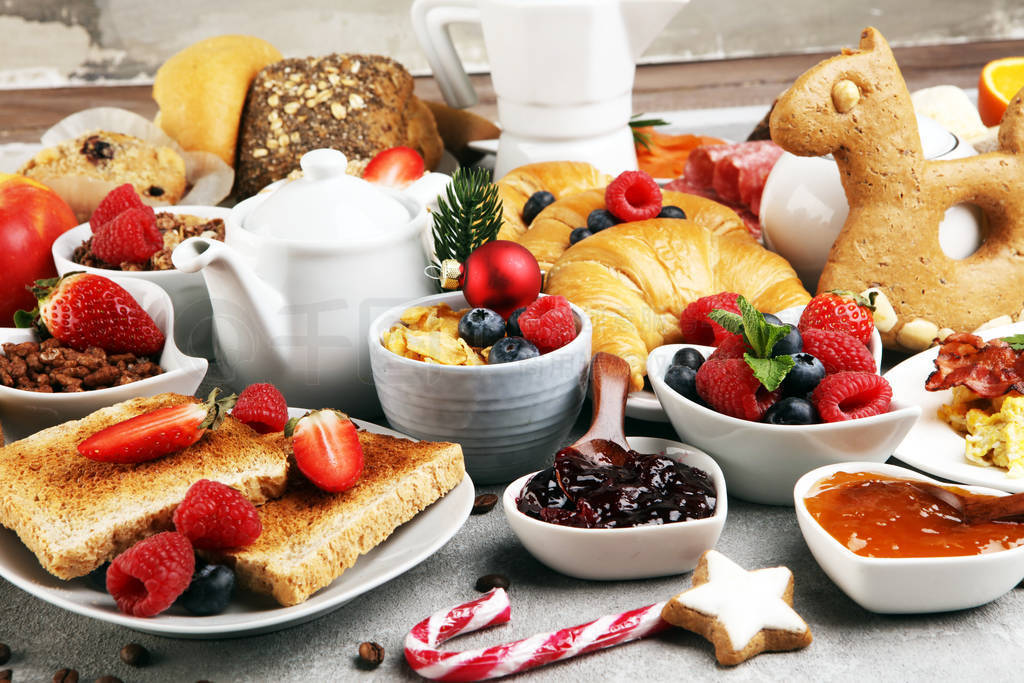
x=430, y=21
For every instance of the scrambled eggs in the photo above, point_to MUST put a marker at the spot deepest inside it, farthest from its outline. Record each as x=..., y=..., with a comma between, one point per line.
x=998, y=438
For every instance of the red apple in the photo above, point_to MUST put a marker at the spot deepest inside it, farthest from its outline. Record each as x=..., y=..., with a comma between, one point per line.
x=31, y=217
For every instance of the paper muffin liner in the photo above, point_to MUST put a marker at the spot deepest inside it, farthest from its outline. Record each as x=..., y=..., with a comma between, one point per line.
x=209, y=178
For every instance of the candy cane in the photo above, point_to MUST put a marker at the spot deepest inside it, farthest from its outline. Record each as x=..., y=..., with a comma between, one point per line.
x=501, y=660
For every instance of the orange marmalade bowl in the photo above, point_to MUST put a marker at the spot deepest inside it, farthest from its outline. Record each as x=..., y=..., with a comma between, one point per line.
x=955, y=569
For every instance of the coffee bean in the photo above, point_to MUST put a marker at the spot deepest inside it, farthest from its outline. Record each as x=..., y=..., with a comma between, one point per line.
x=489, y=581
x=66, y=676
x=484, y=503
x=371, y=654
x=109, y=679
x=134, y=654
x=5, y=653
x=6, y=675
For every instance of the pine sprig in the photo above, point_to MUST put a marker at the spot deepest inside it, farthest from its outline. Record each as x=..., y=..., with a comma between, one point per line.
x=468, y=215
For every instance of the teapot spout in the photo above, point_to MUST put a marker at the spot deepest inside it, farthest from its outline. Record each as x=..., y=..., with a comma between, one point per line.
x=645, y=19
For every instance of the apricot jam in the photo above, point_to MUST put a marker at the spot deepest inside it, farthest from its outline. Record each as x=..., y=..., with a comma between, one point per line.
x=878, y=516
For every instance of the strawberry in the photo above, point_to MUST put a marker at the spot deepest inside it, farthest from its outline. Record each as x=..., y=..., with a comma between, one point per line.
x=83, y=310
x=395, y=167
x=841, y=311
x=158, y=432
x=327, y=449
x=130, y=237
x=117, y=201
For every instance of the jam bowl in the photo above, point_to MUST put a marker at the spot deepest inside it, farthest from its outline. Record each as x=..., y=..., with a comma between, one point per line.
x=912, y=584
x=635, y=552
x=762, y=461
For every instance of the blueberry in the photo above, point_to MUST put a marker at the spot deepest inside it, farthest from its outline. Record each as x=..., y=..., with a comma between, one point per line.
x=683, y=380
x=210, y=590
x=804, y=375
x=792, y=411
x=599, y=219
x=790, y=344
x=481, y=327
x=578, y=234
x=671, y=212
x=512, y=326
x=535, y=204
x=691, y=358
x=97, y=578
x=511, y=349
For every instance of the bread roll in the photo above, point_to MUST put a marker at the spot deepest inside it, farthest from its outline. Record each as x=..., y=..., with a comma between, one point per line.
x=635, y=279
x=201, y=91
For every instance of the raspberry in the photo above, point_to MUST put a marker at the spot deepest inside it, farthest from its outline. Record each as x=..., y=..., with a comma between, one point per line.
x=148, y=577
x=633, y=196
x=131, y=237
x=729, y=386
x=117, y=201
x=850, y=395
x=732, y=346
x=548, y=323
x=694, y=322
x=216, y=517
x=262, y=407
x=838, y=351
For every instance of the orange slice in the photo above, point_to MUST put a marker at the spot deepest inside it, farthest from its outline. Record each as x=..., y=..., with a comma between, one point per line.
x=1000, y=80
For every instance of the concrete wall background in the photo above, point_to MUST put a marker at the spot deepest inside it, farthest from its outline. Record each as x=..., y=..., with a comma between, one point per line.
x=49, y=42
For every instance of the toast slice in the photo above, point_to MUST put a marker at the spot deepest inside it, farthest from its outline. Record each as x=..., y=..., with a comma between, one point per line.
x=310, y=537
x=75, y=513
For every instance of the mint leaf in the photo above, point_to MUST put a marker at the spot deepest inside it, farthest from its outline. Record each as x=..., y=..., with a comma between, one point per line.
x=1016, y=342
x=770, y=371
x=759, y=333
x=727, y=319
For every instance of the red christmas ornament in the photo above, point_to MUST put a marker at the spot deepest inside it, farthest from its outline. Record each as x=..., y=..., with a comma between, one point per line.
x=502, y=276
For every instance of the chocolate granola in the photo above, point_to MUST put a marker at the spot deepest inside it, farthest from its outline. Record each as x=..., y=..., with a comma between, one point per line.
x=50, y=367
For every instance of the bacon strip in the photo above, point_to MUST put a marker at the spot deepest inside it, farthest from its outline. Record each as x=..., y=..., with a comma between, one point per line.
x=988, y=369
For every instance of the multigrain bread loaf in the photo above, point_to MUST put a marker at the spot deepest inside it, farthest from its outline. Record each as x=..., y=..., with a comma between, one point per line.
x=311, y=537
x=75, y=513
x=359, y=104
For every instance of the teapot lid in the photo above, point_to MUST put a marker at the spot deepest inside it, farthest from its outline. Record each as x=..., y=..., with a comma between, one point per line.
x=327, y=205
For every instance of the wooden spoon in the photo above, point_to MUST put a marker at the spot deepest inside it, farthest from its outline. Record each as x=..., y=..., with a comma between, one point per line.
x=605, y=442
x=977, y=509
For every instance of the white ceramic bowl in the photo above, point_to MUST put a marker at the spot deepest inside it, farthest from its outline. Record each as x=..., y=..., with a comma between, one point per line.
x=509, y=418
x=906, y=585
x=762, y=461
x=632, y=553
x=193, y=331
x=25, y=412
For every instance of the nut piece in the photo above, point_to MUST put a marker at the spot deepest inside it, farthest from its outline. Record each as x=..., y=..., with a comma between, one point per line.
x=337, y=110
x=944, y=332
x=994, y=322
x=884, y=314
x=371, y=654
x=845, y=95
x=917, y=335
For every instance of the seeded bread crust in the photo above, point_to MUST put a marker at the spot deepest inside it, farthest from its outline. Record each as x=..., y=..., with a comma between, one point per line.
x=75, y=513
x=311, y=537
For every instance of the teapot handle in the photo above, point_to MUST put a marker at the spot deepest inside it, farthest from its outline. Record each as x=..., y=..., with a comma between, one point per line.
x=430, y=21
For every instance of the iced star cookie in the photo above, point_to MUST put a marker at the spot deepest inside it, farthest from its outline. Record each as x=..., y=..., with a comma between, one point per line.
x=742, y=613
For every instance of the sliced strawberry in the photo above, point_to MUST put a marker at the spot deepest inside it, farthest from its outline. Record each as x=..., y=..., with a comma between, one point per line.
x=327, y=449
x=158, y=432
x=396, y=167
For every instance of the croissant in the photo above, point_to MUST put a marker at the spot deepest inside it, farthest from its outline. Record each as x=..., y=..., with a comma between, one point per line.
x=560, y=178
x=635, y=279
x=548, y=235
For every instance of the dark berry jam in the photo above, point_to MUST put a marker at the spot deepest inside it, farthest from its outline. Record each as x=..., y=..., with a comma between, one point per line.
x=645, y=489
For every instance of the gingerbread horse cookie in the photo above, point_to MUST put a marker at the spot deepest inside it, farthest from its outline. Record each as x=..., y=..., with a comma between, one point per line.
x=856, y=107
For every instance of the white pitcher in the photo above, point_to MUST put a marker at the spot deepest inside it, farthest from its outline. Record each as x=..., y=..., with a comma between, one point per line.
x=562, y=72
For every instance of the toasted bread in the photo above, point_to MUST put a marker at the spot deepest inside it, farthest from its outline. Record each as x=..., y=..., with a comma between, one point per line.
x=311, y=537
x=75, y=513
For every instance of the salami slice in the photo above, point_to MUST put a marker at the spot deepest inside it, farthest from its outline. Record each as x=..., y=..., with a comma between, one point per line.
x=750, y=220
x=738, y=172
x=700, y=166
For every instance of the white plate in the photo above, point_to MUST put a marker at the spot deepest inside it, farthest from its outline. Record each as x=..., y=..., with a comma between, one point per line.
x=249, y=613
x=932, y=446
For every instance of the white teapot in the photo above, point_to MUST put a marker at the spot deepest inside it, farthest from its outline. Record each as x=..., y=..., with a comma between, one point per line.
x=303, y=270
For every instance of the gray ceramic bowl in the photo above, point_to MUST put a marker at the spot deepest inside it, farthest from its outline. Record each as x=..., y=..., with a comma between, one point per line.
x=509, y=418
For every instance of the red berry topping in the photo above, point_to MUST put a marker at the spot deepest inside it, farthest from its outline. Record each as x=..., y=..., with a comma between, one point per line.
x=262, y=407
x=633, y=196
x=850, y=395
x=548, y=323
x=217, y=517
x=732, y=346
x=148, y=577
x=694, y=322
x=117, y=201
x=842, y=311
x=327, y=449
x=131, y=237
x=838, y=351
x=729, y=387
x=396, y=167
